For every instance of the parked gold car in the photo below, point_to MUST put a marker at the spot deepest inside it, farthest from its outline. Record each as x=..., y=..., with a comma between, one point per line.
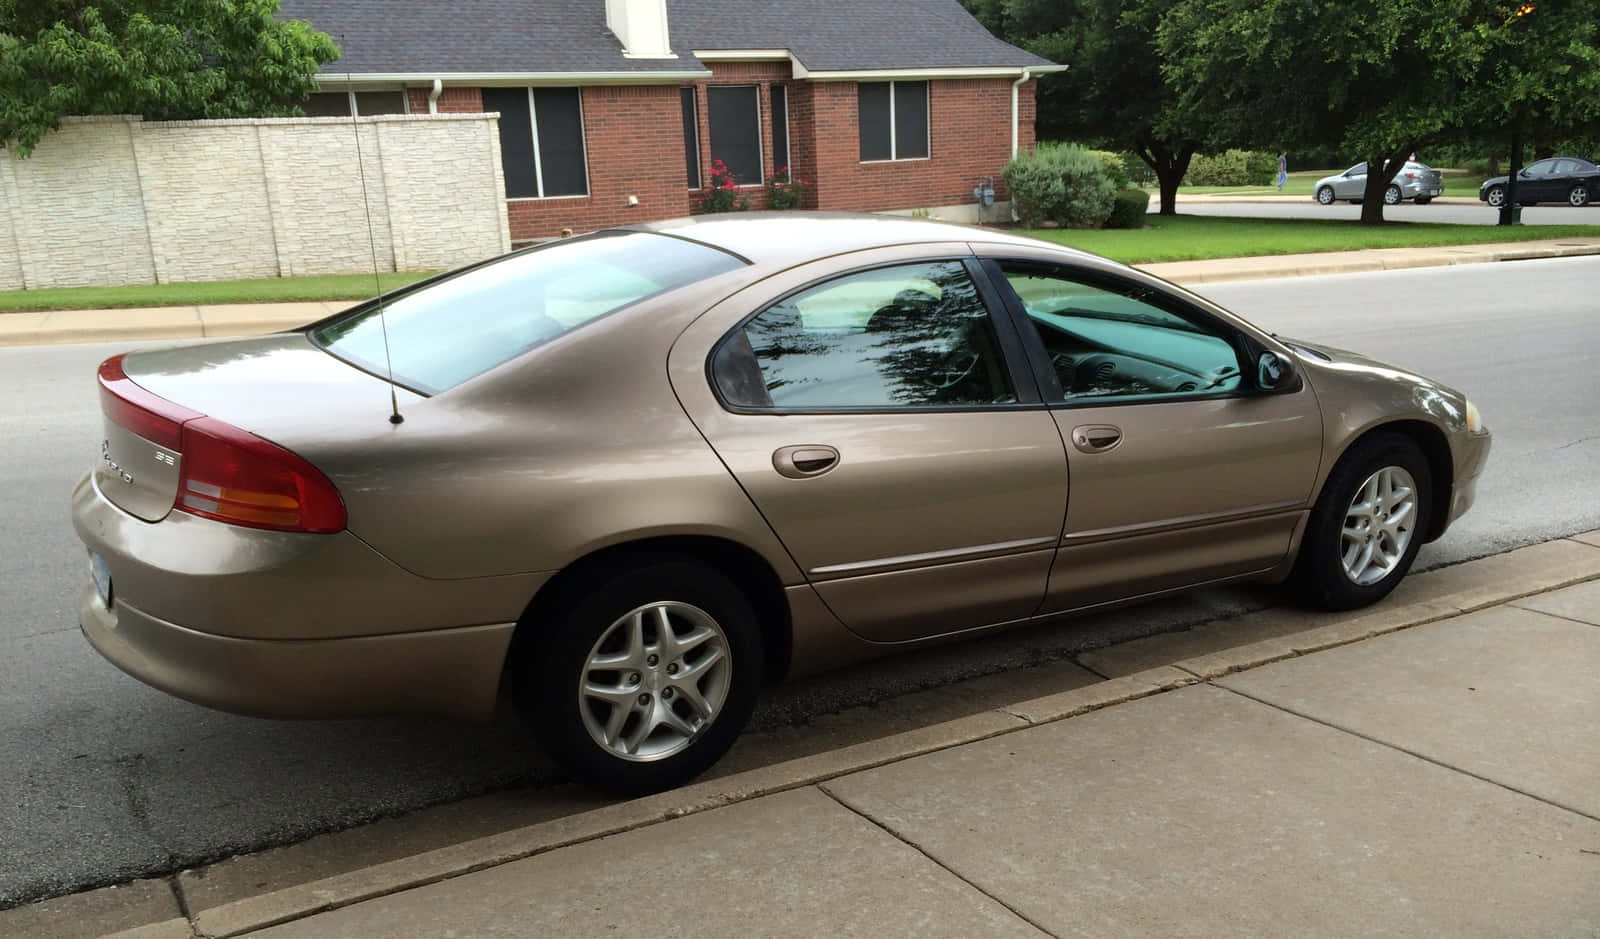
x=637, y=473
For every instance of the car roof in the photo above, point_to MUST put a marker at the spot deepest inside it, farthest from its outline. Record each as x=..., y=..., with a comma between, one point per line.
x=784, y=238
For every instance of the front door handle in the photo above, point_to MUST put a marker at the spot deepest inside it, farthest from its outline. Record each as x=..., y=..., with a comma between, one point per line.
x=1096, y=438
x=805, y=460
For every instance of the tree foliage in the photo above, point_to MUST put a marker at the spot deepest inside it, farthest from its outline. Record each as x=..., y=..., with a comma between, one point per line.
x=164, y=59
x=1381, y=77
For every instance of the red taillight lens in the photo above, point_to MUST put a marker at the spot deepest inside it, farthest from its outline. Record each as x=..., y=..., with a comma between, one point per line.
x=225, y=473
x=127, y=405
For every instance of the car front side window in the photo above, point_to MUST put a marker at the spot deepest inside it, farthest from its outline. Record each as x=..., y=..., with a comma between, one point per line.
x=1121, y=341
x=911, y=335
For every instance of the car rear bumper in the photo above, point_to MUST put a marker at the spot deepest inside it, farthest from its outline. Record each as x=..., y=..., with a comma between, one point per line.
x=449, y=672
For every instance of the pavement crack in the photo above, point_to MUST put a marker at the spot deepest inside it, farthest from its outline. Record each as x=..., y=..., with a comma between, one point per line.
x=1576, y=442
x=933, y=860
x=1411, y=753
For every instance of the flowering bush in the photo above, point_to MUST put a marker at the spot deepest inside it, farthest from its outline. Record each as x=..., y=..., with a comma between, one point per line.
x=786, y=192
x=722, y=195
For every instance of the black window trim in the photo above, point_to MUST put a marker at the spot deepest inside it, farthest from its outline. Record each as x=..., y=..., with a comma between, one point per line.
x=788, y=137
x=927, y=121
x=694, y=104
x=538, y=160
x=1023, y=379
x=1245, y=348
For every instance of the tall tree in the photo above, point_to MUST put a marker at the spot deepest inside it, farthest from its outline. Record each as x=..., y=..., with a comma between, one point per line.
x=1381, y=77
x=164, y=59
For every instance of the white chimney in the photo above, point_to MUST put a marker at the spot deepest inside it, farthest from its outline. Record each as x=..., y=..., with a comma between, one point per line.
x=642, y=27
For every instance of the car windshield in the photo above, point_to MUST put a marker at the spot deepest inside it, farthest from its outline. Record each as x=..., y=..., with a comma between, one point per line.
x=448, y=331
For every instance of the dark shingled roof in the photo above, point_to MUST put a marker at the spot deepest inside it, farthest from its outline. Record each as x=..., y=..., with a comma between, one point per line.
x=846, y=35
x=476, y=36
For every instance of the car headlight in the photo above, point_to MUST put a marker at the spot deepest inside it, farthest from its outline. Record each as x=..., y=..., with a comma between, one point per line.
x=1475, y=420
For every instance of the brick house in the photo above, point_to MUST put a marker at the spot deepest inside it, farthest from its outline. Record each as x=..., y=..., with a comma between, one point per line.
x=612, y=111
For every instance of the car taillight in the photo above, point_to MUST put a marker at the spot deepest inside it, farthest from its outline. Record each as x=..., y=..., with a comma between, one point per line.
x=225, y=473
x=1411, y=176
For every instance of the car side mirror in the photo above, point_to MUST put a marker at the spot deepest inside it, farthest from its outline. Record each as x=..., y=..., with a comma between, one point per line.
x=1274, y=372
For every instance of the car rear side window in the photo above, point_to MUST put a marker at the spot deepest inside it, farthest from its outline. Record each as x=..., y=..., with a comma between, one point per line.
x=913, y=335
x=448, y=331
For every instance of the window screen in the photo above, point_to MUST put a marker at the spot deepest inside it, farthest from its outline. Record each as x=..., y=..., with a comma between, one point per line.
x=516, y=140
x=369, y=103
x=910, y=120
x=327, y=104
x=873, y=98
x=560, y=124
x=691, y=136
x=736, y=130
x=780, y=129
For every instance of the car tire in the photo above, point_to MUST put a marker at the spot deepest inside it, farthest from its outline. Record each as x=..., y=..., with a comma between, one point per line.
x=1325, y=195
x=1363, y=534
x=1393, y=196
x=1578, y=197
x=1422, y=200
x=1496, y=196
x=646, y=723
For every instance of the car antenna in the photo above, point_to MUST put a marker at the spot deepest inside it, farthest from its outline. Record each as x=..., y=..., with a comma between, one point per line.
x=372, y=246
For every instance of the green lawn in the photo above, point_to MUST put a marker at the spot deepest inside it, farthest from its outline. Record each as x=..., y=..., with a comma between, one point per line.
x=1456, y=183
x=269, y=290
x=1193, y=237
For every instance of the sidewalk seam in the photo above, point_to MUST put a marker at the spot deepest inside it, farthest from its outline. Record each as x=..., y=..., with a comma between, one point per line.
x=933, y=860
x=1569, y=619
x=1411, y=753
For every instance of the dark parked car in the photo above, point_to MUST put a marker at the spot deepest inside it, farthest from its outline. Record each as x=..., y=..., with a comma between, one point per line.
x=1572, y=180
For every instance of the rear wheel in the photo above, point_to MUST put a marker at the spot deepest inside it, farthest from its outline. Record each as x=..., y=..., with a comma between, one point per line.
x=644, y=678
x=1325, y=195
x=1579, y=196
x=1367, y=525
x=1392, y=196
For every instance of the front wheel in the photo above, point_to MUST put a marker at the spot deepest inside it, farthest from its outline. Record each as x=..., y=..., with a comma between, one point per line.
x=1325, y=195
x=1496, y=196
x=643, y=679
x=1392, y=196
x=1367, y=525
x=1579, y=196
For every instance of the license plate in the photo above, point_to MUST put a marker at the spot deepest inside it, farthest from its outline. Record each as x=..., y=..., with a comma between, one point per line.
x=102, y=578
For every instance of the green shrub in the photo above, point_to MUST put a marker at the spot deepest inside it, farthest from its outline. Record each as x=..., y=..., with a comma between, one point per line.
x=1129, y=209
x=1116, y=168
x=1088, y=193
x=1035, y=185
x=1232, y=168
x=721, y=195
x=1139, y=172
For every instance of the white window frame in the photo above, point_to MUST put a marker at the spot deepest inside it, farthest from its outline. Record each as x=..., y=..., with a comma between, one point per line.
x=538, y=159
x=702, y=174
x=894, y=137
x=761, y=145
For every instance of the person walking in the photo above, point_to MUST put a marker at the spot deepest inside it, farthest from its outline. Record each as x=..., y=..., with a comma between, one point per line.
x=1283, y=169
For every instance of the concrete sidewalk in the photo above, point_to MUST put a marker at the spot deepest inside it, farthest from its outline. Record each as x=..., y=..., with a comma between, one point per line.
x=1423, y=767
x=247, y=319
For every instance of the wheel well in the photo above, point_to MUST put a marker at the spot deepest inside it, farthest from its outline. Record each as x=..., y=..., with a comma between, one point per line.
x=747, y=569
x=1437, y=451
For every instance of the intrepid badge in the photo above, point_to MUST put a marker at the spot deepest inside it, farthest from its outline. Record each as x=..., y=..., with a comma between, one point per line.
x=105, y=457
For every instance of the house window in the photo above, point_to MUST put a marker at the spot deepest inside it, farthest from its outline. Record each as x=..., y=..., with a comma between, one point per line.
x=780, y=129
x=364, y=103
x=894, y=120
x=735, y=112
x=541, y=141
x=691, y=136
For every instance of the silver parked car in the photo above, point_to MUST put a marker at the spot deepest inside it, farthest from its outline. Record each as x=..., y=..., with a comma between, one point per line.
x=1415, y=181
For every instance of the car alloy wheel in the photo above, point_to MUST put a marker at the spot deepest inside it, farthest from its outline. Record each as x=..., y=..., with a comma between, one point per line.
x=655, y=681
x=1378, y=525
x=639, y=671
x=1496, y=196
x=1367, y=525
x=1392, y=196
x=1325, y=195
x=1579, y=196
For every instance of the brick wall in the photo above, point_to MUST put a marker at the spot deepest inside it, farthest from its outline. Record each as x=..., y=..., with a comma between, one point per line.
x=451, y=100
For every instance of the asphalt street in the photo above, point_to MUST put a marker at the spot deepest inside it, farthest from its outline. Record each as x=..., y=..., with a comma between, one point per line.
x=1456, y=214
x=103, y=779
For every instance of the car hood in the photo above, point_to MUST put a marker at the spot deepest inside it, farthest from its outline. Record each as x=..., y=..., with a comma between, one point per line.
x=1498, y=180
x=1344, y=373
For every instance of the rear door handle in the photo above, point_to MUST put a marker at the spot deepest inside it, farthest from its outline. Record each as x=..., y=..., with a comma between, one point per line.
x=805, y=460
x=1096, y=438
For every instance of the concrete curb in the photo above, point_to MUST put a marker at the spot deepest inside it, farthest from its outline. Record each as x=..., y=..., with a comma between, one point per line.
x=1461, y=589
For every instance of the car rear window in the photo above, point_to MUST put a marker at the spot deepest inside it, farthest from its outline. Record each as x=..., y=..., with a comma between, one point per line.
x=445, y=332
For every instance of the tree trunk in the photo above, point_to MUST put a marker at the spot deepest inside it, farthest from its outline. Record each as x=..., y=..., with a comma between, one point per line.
x=1381, y=171
x=1170, y=166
